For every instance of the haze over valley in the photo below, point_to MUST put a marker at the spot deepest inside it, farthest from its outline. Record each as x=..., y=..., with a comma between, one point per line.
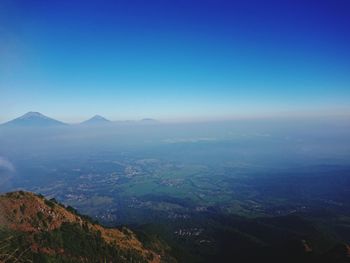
x=184, y=175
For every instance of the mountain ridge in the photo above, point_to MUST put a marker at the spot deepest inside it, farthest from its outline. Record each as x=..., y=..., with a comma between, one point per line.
x=50, y=230
x=37, y=119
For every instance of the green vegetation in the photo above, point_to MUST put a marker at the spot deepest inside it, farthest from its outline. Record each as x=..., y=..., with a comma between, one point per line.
x=79, y=245
x=49, y=203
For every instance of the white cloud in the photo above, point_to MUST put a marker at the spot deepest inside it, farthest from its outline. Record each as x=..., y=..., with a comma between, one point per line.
x=7, y=165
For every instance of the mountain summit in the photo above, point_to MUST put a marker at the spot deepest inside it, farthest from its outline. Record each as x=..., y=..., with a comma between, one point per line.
x=34, y=119
x=97, y=119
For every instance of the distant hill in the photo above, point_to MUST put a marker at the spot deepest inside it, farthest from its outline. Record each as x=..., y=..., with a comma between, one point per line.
x=96, y=120
x=34, y=119
x=34, y=229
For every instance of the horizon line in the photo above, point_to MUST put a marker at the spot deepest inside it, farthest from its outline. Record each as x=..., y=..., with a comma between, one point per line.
x=201, y=119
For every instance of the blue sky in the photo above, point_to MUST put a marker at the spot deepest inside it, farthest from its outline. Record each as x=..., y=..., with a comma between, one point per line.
x=174, y=60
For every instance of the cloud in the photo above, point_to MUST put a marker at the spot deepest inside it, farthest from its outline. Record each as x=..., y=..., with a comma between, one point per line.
x=6, y=165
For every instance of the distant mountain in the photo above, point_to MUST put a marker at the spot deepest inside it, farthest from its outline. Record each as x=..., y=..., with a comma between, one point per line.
x=34, y=119
x=97, y=119
x=34, y=229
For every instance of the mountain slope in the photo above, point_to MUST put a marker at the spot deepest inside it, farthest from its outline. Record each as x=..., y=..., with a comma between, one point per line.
x=34, y=119
x=41, y=230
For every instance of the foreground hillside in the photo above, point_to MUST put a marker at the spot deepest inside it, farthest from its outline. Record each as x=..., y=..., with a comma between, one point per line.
x=34, y=229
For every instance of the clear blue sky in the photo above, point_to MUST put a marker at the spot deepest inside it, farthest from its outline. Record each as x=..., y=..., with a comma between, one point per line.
x=174, y=59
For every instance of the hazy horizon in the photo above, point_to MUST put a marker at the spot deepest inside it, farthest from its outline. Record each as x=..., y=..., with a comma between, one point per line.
x=183, y=60
x=312, y=115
